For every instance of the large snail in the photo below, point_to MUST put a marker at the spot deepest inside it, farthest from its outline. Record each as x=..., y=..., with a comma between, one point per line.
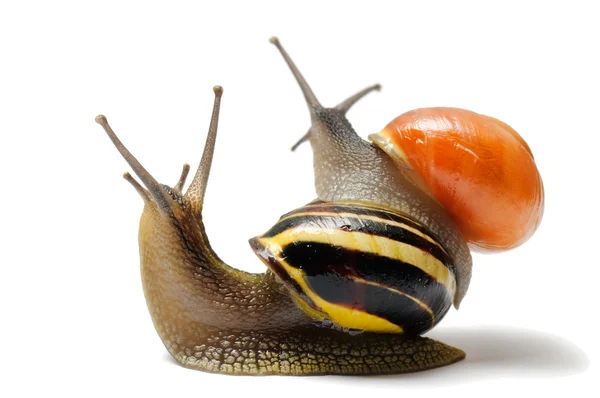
x=354, y=277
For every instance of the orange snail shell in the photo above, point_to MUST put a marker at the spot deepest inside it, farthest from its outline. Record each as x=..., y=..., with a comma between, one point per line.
x=476, y=166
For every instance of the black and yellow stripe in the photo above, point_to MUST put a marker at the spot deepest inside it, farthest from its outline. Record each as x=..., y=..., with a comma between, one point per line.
x=361, y=267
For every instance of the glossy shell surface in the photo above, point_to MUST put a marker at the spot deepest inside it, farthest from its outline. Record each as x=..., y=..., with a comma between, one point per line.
x=360, y=268
x=478, y=167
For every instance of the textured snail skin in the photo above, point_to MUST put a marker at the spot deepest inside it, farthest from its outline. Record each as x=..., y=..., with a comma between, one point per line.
x=348, y=168
x=215, y=318
x=478, y=167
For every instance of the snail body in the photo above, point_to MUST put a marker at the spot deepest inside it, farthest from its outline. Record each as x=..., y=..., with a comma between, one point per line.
x=216, y=318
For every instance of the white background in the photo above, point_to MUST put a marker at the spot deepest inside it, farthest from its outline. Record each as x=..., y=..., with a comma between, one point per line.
x=73, y=319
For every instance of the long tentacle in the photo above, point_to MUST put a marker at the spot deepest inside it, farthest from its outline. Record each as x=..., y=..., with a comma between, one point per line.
x=195, y=193
x=156, y=190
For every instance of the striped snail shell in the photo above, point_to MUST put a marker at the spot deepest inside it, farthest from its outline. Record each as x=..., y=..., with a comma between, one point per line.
x=360, y=268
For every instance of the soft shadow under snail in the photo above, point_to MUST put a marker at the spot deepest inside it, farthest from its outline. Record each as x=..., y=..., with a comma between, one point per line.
x=356, y=275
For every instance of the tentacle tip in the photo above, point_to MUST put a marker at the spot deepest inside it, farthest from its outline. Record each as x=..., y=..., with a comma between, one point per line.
x=295, y=146
x=274, y=40
x=218, y=90
x=101, y=119
x=377, y=87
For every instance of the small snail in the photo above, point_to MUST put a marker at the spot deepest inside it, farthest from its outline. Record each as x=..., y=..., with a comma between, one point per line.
x=354, y=276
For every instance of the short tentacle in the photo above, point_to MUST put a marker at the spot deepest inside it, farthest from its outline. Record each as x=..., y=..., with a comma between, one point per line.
x=184, y=173
x=345, y=105
x=140, y=189
x=302, y=140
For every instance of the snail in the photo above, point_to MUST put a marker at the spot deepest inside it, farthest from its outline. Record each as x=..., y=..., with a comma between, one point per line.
x=477, y=167
x=354, y=277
